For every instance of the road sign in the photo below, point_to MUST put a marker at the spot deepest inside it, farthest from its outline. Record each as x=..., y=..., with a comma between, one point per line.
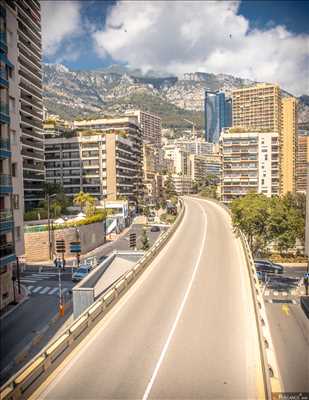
x=75, y=247
x=306, y=275
x=60, y=246
x=132, y=240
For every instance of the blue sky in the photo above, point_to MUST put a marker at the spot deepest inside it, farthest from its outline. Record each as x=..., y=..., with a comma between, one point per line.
x=94, y=34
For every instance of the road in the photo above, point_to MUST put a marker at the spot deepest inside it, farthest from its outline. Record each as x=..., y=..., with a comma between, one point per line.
x=290, y=334
x=185, y=330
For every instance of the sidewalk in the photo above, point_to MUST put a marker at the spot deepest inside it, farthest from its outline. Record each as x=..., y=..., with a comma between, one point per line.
x=20, y=299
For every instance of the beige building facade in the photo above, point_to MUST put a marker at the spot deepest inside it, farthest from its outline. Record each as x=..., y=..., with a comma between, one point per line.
x=264, y=109
x=288, y=145
x=302, y=161
x=11, y=178
x=104, y=160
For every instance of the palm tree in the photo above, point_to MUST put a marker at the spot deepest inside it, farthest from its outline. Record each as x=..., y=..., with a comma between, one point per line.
x=84, y=200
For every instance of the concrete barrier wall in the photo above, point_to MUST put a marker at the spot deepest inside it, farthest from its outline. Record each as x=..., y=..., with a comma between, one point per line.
x=36, y=243
x=23, y=384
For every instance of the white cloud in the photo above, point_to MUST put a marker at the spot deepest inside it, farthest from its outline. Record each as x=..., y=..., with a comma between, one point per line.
x=189, y=36
x=60, y=20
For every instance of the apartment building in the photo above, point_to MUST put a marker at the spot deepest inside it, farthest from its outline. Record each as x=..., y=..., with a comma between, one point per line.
x=182, y=184
x=262, y=108
x=205, y=165
x=197, y=146
x=302, y=161
x=257, y=107
x=152, y=180
x=11, y=180
x=179, y=157
x=29, y=74
x=103, y=157
x=288, y=145
x=150, y=125
x=250, y=163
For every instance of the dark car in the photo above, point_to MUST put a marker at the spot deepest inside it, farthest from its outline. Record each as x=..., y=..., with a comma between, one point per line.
x=155, y=228
x=266, y=266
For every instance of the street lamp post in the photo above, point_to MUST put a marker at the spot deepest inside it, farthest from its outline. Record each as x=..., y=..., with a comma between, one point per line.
x=49, y=196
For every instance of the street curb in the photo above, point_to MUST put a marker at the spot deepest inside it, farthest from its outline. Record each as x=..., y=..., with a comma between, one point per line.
x=15, y=308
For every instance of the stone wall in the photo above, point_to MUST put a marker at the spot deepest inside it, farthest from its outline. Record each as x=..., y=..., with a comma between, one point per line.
x=36, y=243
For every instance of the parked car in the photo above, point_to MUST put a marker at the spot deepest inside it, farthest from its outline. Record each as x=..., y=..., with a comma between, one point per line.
x=155, y=228
x=267, y=266
x=80, y=273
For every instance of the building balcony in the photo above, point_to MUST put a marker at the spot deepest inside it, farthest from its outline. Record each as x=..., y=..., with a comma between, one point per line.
x=32, y=167
x=5, y=150
x=4, y=83
x=26, y=152
x=4, y=114
x=6, y=220
x=3, y=42
x=7, y=252
x=5, y=184
x=33, y=144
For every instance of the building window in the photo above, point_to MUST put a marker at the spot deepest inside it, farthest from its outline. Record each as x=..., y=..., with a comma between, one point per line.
x=17, y=233
x=15, y=201
x=14, y=170
x=13, y=136
x=12, y=105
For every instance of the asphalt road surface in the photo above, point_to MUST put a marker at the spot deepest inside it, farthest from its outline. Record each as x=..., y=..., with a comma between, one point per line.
x=185, y=330
x=290, y=334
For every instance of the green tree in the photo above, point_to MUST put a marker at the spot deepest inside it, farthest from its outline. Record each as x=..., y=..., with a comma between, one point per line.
x=55, y=208
x=251, y=213
x=84, y=200
x=286, y=222
x=169, y=187
x=145, y=240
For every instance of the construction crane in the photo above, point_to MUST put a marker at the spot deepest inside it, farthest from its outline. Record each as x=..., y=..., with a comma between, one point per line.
x=193, y=127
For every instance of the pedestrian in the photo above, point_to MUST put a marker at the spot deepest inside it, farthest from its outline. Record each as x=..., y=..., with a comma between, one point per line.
x=63, y=264
x=56, y=262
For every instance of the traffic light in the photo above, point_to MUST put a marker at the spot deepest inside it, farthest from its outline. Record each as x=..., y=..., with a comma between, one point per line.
x=132, y=240
x=60, y=246
x=75, y=247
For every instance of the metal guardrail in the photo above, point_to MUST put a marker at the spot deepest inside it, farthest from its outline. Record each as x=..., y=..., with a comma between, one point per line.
x=34, y=373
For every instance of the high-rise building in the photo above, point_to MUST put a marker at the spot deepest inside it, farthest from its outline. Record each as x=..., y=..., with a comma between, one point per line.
x=250, y=163
x=150, y=125
x=262, y=108
x=28, y=73
x=203, y=166
x=180, y=158
x=11, y=180
x=257, y=107
x=217, y=111
x=302, y=160
x=103, y=157
x=288, y=145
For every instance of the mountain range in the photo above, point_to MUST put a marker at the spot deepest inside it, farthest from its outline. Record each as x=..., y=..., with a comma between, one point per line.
x=113, y=90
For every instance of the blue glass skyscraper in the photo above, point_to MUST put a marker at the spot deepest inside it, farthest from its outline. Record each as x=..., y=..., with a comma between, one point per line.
x=218, y=115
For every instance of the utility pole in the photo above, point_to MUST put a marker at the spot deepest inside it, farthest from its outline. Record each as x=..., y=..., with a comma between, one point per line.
x=49, y=196
x=60, y=248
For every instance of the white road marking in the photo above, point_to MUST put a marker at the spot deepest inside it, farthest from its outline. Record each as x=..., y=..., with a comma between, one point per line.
x=45, y=290
x=180, y=310
x=37, y=289
x=53, y=291
x=29, y=288
x=27, y=281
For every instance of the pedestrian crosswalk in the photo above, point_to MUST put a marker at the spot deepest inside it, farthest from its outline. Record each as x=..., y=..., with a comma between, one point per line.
x=37, y=277
x=46, y=290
